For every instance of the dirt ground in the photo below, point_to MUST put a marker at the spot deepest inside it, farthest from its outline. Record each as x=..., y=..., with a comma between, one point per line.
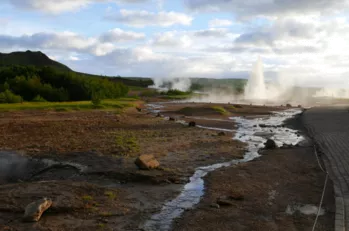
x=96, y=185
x=263, y=189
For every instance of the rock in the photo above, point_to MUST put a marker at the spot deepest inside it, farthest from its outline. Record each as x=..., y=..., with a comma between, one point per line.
x=224, y=201
x=139, y=109
x=172, y=119
x=299, y=106
x=192, y=124
x=236, y=196
x=221, y=134
x=147, y=162
x=270, y=144
x=159, y=115
x=288, y=105
x=215, y=205
x=262, y=125
x=34, y=210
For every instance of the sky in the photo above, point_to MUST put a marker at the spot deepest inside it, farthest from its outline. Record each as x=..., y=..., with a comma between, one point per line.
x=304, y=41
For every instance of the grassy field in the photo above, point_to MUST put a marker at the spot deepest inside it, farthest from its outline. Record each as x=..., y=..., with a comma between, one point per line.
x=67, y=106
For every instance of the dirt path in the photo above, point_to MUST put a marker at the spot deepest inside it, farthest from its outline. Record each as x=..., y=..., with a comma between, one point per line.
x=329, y=126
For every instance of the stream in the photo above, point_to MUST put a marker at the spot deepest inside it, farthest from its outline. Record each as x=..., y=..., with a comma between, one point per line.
x=253, y=132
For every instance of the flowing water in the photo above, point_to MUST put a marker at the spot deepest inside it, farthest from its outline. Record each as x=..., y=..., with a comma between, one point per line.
x=249, y=132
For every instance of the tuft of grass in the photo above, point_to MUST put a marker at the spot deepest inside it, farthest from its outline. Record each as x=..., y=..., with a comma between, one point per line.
x=66, y=106
x=101, y=226
x=87, y=198
x=126, y=143
x=149, y=93
x=111, y=195
x=220, y=110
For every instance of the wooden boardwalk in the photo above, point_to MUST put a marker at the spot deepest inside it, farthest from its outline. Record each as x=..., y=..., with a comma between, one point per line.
x=329, y=127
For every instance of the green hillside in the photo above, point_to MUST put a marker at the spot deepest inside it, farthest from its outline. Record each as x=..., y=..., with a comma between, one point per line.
x=30, y=58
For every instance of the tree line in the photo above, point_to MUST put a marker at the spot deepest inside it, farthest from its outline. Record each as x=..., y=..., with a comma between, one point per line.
x=29, y=83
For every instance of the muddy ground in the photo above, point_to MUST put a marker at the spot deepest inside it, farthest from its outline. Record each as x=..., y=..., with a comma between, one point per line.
x=264, y=189
x=95, y=185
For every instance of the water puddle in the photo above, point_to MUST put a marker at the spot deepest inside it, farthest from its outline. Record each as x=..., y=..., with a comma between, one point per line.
x=246, y=132
x=304, y=209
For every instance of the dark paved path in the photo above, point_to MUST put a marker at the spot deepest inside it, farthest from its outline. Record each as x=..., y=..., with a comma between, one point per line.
x=329, y=126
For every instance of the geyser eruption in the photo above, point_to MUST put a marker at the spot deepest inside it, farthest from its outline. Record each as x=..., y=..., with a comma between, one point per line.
x=255, y=88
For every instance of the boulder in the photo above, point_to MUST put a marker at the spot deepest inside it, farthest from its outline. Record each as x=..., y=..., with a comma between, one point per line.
x=147, y=162
x=270, y=144
x=192, y=124
x=34, y=210
x=224, y=201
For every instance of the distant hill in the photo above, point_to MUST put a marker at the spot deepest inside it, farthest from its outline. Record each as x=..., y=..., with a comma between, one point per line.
x=30, y=58
x=39, y=59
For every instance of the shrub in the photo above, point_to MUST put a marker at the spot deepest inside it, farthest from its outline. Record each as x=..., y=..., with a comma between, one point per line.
x=96, y=99
x=8, y=97
x=39, y=98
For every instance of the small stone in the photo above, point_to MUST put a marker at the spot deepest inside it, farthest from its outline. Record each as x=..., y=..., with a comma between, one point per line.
x=172, y=119
x=34, y=210
x=192, y=124
x=270, y=144
x=215, y=205
x=147, y=162
x=224, y=201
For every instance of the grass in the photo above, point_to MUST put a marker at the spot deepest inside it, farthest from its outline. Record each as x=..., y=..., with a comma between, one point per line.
x=87, y=198
x=220, y=110
x=177, y=97
x=111, y=195
x=126, y=143
x=69, y=106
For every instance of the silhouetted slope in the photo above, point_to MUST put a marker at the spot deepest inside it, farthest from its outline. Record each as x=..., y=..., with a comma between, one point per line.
x=30, y=58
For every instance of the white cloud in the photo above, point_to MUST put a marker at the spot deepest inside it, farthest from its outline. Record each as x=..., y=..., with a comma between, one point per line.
x=118, y=35
x=144, y=18
x=172, y=39
x=253, y=8
x=60, y=6
x=212, y=32
x=220, y=23
x=153, y=64
x=67, y=41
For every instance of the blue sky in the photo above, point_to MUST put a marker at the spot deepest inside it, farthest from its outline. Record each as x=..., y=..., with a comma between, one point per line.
x=301, y=39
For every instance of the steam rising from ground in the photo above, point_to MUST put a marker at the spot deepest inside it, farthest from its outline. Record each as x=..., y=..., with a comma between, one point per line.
x=283, y=90
x=182, y=84
x=255, y=87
